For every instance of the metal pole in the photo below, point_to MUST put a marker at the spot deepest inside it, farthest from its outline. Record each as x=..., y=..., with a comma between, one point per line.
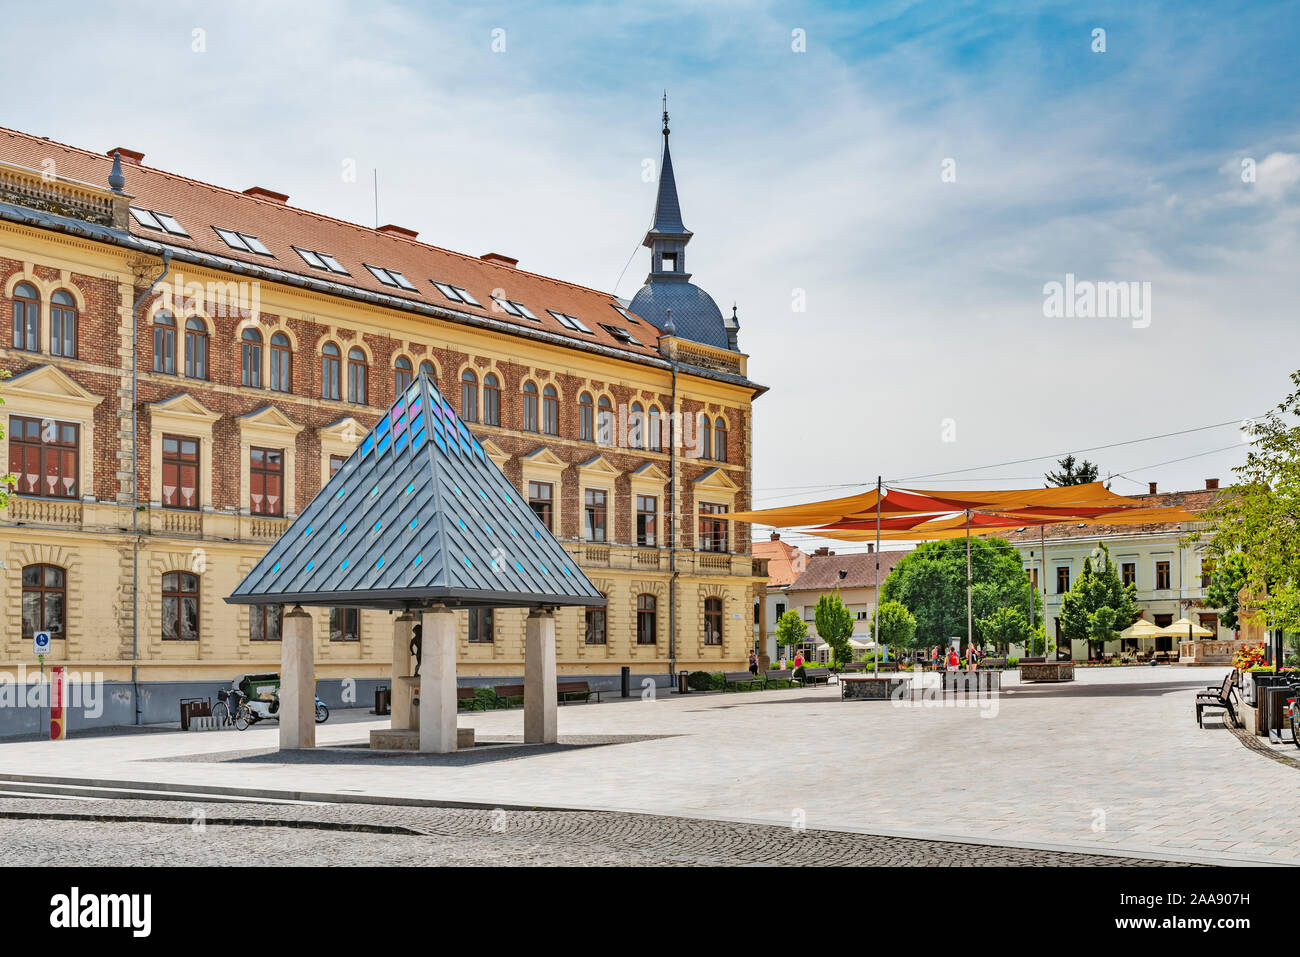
x=875, y=657
x=970, y=617
x=1042, y=565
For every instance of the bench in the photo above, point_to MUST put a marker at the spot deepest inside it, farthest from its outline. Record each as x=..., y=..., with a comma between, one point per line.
x=853, y=666
x=739, y=679
x=470, y=698
x=1217, y=697
x=812, y=676
x=777, y=676
x=574, y=691
x=507, y=693
x=998, y=663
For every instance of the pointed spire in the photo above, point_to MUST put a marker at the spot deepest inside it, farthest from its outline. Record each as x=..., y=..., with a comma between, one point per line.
x=116, y=181
x=668, y=211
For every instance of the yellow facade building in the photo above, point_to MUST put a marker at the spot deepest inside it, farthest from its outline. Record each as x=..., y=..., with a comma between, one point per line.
x=188, y=364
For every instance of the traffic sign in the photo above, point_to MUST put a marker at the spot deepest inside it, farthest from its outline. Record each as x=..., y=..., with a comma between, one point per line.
x=41, y=643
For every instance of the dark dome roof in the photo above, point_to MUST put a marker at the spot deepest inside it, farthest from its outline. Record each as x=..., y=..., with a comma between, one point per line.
x=695, y=314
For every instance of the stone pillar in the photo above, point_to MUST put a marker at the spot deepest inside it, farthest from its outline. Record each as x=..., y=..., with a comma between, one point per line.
x=438, y=682
x=297, y=681
x=539, y=678
x=400, y=695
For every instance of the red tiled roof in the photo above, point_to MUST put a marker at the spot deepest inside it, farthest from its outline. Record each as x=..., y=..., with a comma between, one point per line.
x=784, y=562
x=859, y=568
x=200, y=206
x=1194, y=501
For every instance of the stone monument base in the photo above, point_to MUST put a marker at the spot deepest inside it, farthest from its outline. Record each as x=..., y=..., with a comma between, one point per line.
x=408, y=739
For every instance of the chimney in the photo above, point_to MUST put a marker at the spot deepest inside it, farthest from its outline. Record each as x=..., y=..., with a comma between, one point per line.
x=1151, y=488
x=823, y=550
x=499, y=259
x=1211, y=484
x=392, y=230
x=776, y=536
x=871, y=547
x=134, y=157
x=261, y=192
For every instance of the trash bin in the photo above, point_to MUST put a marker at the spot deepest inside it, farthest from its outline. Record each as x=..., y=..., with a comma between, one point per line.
x=382, y=697
x=683, y=682
x=625, y=681
x=194, y=708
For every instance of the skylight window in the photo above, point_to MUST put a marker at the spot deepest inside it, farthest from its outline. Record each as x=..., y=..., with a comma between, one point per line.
x=163, y=222
x=570, y=322
x=456, y=293
x=319, y=260
x=626, y=315
x=515, y=308
x=390, y=277
x=621, y=334
x=242, y=241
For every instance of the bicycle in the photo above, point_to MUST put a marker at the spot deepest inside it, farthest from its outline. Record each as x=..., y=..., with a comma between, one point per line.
x=227, y=706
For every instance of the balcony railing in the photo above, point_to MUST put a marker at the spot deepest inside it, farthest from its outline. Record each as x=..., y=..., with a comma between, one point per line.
x=44, y=511
x=63, y=197
x=637, y=557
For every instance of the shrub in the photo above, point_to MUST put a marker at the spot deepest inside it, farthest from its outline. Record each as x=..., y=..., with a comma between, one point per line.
x=717, y=681
x=798, y=672
x=1013, y=662
x=699, y=681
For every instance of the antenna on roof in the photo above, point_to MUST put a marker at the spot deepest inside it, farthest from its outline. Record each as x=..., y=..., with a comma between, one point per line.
x=376, y=197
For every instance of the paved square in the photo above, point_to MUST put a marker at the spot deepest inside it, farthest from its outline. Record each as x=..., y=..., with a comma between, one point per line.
x=1112, y=762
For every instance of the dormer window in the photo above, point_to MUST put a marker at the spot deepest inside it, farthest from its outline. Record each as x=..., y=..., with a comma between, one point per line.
x=625, y=314
x=515, y=308
x=320, y=260
x=456, y=293
x=570, y=322
x=242, y=241
x=163, y=222
x=390, y=277
x=621, y=334
x=668, y=262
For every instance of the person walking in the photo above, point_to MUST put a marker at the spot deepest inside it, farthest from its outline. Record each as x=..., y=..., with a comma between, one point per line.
x=972, y=657
x=934, y=657
x=753, y=663
x=954, y=663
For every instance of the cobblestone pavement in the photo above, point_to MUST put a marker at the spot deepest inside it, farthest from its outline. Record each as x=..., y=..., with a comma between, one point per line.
x=117, y=832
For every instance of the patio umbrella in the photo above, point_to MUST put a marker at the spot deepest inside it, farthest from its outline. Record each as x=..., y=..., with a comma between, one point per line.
x=1186, y=628
x=1142, y=629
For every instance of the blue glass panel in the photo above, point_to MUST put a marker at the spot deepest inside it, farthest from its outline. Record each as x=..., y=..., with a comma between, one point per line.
x=367, y=445
x=414, y=522
x=378, y=525
x=343, y=528
x=310, y=564
x=307, y=533
x=344, y=566
x=418, y=440
x=418, y=558
x=383, y=443
x=275, y=568
x=466, y=561
x=437, y=437
x=382, y=427
x=380, y=564
x=400, y=443
x=410, y=488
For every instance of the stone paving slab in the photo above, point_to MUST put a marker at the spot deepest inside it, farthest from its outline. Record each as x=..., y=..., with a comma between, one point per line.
x=1113, y=761
x=147, y=833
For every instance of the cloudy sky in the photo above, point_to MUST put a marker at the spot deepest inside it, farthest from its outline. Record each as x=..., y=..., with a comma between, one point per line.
x=884, y=192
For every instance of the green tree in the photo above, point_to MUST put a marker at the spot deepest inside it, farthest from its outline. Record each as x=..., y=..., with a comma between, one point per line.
x=1071, y=474
x=791, y=630
x=1256, y=517
x=1098, y=605
x=834, y=623
x=894, y=625
x=1006, y=627
x=930, y=582
x=1226, y=582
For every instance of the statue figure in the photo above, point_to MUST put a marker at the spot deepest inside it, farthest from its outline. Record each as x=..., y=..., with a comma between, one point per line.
x=417, y=635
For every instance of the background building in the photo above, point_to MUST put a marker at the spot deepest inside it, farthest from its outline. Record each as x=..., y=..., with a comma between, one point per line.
x=785, y=563
x=1171, y=577
x=221, y=401
x=853, y=576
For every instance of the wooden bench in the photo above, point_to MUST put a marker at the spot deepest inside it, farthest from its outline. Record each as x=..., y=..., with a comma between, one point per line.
x=1217, y=697
x=998, y=663
x=739, y=679
x=853, y=666
x=812, y=676
x=469, y=697
x=507, y=693
x=775, y=677
x=886, y=666
x=574, y=691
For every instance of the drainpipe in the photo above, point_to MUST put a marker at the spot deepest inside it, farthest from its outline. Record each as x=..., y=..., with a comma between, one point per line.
x=135, y=481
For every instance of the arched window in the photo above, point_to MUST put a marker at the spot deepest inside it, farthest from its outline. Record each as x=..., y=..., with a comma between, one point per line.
x=196, y=348
x=720, y=439
x=164, y=343
x=356, y=376
x=586, y=418
x=63, y=325
x=635, y=423
x=646, y=606
x=491, y=400
x=713, y=621
x=330, y=371
x=706, y=437
x=281, y=363
x=251, y=358
x=27, y=318
x=180, y=607
x=402, y=376
x=550, y=411
x=604, y=421
x=654, y=430
x=45, y=598
x=469, y=396
x=428, y=368
x=530, y=407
